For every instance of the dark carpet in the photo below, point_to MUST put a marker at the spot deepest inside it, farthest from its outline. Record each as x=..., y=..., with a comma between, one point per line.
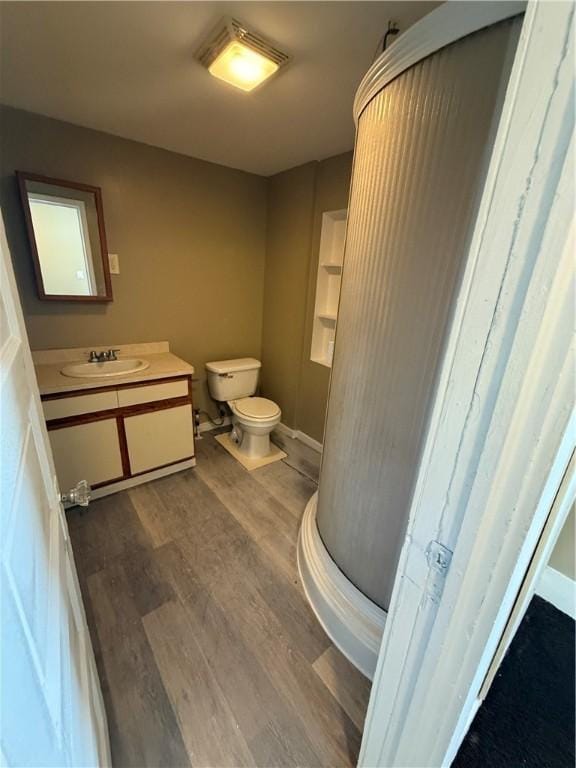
x=527, y=719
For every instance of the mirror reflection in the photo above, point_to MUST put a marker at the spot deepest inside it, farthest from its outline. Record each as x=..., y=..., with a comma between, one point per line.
x=66, y=232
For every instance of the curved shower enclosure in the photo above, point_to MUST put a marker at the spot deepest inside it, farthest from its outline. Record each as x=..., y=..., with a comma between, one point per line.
x=426, y=113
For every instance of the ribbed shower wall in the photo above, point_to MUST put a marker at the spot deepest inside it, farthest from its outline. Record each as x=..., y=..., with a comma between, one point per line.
x=421, y=156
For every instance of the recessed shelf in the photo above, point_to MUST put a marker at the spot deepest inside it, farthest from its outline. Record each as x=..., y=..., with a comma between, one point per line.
x=330, y=260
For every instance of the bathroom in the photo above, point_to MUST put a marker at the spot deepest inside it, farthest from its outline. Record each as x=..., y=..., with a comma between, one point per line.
x=215, y=385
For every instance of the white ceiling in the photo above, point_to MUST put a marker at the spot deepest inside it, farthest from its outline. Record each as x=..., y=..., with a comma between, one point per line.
x=128, y=68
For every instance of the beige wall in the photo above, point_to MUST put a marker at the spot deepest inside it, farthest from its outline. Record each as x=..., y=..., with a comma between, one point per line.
x=289, y=233
x=563, y=557
x=190, y=236
x=218, y=262
x=296, y=201
x=332, y=188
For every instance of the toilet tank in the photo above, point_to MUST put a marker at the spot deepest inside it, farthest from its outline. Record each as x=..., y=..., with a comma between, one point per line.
x=233, y=379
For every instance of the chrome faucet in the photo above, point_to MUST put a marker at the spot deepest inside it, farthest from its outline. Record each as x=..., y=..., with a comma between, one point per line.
x=101, y=357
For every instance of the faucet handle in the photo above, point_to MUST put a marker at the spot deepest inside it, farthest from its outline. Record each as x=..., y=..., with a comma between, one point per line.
x=112, y=354
x=93, y=358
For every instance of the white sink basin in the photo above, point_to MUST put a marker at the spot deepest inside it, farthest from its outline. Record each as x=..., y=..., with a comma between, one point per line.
x=105, y=369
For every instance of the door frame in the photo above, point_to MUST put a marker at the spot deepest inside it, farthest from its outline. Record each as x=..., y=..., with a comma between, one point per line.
x=559, y=512
x=502, y=426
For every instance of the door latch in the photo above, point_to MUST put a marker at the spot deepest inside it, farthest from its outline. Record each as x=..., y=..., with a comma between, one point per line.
x=439, y=558
x=80, y=494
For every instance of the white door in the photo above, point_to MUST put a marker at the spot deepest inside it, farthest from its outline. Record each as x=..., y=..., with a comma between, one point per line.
x=51, y=711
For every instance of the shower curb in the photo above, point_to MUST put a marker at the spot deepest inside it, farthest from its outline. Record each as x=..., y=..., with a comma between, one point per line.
x=352, y=621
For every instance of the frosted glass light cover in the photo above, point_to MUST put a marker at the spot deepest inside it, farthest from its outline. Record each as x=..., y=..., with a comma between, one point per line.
x=242, y=67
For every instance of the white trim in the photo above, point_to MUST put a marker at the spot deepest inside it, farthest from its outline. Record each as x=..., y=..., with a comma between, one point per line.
x=309, y=441
x=297, y=434
x=209, y=426
x=502, y=425
x=434, y=31
x=553, y=526
x=558, y=589
x=555, y=521
x=122, y=485
x=284, y=430
x=352, y=621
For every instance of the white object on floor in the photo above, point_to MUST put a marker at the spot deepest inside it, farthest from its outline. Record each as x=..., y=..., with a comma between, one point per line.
x=253, y=419
x=352, y=621
x=558, y=589
x=235, y=382
x=275, y=454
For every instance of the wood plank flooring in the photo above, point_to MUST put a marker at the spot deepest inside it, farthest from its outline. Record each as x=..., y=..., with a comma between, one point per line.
x=300, y=456
x=207, y=650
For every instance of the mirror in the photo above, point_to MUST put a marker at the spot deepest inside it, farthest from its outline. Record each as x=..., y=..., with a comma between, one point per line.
x=65, y=224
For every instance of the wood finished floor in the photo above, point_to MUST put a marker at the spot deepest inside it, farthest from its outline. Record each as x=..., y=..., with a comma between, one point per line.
x=207, y=650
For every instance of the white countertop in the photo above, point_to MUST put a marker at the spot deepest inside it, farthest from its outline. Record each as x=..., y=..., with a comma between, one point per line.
x=48, y=364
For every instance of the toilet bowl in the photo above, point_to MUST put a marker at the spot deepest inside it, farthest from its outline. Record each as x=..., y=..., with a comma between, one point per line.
x=235, y=382
x=253, y=419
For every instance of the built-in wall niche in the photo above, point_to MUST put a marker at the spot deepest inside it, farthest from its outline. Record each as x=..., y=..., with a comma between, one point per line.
x=328, y=281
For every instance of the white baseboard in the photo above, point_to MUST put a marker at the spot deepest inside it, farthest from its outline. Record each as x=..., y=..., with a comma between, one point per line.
x=352, y=621
x=558, y=589
x=284, y=430
x=309, y=441
x=155, y=474
x=208, y=426
x=297, y=434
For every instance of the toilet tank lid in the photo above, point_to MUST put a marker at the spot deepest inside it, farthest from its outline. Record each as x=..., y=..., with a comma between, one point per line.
x=231, y=366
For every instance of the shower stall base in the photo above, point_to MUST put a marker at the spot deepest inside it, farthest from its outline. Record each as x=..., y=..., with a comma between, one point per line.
x=352, y=621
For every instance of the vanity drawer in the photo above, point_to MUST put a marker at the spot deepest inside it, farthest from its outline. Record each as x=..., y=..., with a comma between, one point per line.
x=62, y=408
x=153, y=392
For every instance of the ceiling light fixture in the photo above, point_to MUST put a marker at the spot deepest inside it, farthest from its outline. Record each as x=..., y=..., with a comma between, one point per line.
x=240, y=57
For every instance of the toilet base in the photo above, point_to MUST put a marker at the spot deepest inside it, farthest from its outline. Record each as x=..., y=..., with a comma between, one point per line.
x=253, y=446
x=250, y=463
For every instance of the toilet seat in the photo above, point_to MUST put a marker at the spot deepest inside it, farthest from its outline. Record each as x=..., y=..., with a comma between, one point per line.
x=256, y=408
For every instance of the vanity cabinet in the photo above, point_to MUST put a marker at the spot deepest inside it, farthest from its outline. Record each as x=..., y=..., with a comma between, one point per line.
x=118, y=436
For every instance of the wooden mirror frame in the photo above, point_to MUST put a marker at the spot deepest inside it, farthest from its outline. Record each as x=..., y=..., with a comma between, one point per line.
x=23, y=177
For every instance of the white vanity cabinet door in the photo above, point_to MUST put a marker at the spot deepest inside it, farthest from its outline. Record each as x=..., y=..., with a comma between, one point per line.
x=158, y=438
x=88, y=451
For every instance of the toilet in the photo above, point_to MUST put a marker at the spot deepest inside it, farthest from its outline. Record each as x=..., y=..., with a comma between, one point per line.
x=235, y=382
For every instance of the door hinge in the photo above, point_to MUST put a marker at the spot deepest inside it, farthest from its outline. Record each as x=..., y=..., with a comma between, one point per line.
x=439, y=558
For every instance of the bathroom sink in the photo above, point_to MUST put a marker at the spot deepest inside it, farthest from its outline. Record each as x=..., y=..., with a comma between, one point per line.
x=105, y=368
